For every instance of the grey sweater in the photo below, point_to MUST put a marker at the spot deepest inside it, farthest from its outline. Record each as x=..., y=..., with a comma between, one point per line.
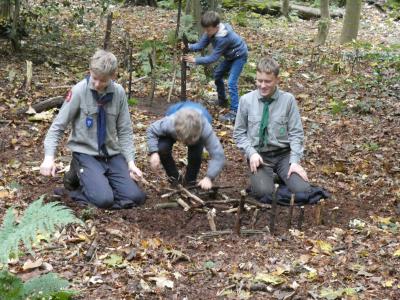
x=81, y=107
x=285, y=129
x=165, y=127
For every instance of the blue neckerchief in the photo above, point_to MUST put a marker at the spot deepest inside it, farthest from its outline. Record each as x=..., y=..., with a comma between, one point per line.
x=101, y=118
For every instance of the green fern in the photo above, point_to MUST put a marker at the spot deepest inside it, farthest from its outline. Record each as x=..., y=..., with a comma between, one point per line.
x=37, y=217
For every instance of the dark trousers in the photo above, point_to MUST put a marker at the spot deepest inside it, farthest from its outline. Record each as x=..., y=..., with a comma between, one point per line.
x=262, y=182
x=105, y=182
x=234, y=68
x=165, y=145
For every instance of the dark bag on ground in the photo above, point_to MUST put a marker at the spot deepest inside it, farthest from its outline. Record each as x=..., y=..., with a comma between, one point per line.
x=283, y=196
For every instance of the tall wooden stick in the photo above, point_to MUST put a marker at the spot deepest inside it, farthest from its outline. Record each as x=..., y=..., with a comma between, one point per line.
x=291, y=207
x=239, y=211
x=183, y=68
x=318, y=211
x=273, y=211
x=107, y=36
x=130, y=70
x=301, y=218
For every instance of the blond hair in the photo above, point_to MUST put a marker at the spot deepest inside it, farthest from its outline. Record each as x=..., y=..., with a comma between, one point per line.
x=268, y=65
x=188, y=125
x=103, y=63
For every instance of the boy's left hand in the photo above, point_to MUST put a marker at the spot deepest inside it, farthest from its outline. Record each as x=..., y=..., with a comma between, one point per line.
x=296, y=168
x=189, y=58
x=134, y=171
x=205, y=183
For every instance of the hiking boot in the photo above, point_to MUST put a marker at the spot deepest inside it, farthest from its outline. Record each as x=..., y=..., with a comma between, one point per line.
x=229, y=117
x=71, y=179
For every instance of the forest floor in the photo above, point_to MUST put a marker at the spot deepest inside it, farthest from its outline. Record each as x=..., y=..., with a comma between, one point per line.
x=349, y=102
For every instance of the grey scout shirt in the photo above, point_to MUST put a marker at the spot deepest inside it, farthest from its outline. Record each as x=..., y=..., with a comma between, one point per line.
x=285, y=129
x=166, y=127
x=76, y=110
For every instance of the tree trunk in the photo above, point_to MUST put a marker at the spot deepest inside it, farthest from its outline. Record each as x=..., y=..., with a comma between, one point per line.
x=5, y=9
x=324, y=22
x=285, y=9
x=107, y=36
x=15, y=23
x=351, y=21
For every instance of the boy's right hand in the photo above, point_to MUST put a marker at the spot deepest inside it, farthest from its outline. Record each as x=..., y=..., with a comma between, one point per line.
x=48, y=167
x=255, y=162
x=155, y=161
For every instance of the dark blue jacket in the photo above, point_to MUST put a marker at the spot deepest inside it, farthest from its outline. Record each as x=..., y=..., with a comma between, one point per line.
x=225, y=42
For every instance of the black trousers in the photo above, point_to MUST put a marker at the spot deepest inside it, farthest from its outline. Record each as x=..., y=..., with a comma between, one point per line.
x=105, y=182
x=194, y=152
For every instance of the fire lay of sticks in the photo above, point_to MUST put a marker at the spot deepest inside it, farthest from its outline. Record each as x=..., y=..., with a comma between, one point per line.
x=188, y=199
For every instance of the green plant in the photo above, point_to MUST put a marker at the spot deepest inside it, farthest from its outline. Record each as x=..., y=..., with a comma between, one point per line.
x=38, y=217
x=372, y=147
x=133, y=101
x=337, y=106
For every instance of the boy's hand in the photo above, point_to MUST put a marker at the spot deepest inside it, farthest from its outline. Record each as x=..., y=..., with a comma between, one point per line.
x=155, y=161
x=189, y=58
x=48, y=167
x=205, y=183
x=296, y=168
x=255, y=161
x=134, y=171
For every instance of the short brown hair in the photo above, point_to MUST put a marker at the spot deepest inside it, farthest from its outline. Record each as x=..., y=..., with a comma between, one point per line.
x=268, y=65
x=210, y=19
x=188, y=125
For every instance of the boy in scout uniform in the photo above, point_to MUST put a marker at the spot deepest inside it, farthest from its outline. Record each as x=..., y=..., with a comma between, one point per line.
x=269, y=131
x=101, y=140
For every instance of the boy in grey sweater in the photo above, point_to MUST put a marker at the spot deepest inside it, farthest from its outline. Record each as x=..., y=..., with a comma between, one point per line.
x=101, y=140
x=269, y=131
x=188, y=122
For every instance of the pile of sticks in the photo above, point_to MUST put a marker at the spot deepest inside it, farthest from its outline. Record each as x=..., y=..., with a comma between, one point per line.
x=217, y=201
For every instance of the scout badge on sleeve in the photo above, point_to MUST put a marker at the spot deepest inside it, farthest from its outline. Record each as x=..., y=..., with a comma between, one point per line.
x=89, y=122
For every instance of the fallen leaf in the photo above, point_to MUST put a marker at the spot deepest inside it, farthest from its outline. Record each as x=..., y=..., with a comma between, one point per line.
x=114, y=260
x=269, y=278
x=29, y=264
x=162, y=282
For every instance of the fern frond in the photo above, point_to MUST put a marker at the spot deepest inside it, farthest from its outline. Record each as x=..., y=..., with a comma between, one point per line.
x=44, y=285
x=37, y=217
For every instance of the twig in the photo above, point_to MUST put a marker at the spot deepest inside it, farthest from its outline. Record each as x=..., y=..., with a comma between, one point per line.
x=166, y=205
x=182, y=203
x=89, y=254
x=149, y=184
x=210, y=216
x=231, y=210
x=191, y=195
x=224, y=232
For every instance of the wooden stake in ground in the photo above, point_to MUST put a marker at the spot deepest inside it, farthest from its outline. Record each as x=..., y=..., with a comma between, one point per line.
x=211, y=219
x=239, y=211
x=273, y=210
x=318, y=211
x=130, y=70
x=183, y=68
x=291, y=207
x=301, y=218
x=29, y=73
x=107, y=36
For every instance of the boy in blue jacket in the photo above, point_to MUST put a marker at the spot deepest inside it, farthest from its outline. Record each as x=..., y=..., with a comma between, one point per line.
x=225, y=43
x=189, y=123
